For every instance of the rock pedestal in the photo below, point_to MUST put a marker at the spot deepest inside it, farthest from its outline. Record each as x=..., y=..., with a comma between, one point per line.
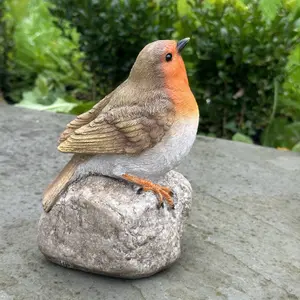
x=102, y=225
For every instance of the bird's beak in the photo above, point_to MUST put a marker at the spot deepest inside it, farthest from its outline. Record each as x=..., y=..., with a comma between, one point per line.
x=181, y=44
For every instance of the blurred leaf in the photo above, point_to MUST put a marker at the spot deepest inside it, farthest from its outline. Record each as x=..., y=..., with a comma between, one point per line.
x=293, y=5
x=282, y=134
x=270, y=8
x=184, y=8
x=296, y=148
x=59, y=105
x=238, y=137
x=276, y=133
x=82, y=106
x=42, y=85
x=211, y=135
x=282, y=149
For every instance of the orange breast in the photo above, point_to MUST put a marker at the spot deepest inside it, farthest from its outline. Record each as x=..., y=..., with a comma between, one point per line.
x=178, y=89
x=185, y=103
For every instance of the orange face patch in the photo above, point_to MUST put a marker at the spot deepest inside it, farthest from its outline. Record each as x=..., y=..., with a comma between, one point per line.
x=177, y=84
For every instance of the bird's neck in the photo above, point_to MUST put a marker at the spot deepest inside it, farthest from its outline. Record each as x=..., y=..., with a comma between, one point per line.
x=175, y=85
x=178, y=89
x=146, y=80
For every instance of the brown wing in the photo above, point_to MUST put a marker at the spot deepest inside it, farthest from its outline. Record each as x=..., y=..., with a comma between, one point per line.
x=127, y=129
x=83, y=119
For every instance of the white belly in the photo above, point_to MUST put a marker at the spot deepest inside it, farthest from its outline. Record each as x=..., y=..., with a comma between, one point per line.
x=152, y=163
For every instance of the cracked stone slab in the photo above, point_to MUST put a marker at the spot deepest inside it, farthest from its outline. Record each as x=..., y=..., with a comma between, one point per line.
x=102, y=225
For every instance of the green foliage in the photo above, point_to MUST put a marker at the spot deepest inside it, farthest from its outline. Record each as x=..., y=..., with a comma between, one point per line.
x=5, y=45
x=289, y=102
x=45, y=66
x=243, y=59
x=2, y=36
x=283, y=133
x=114, y=32
x=239, y=53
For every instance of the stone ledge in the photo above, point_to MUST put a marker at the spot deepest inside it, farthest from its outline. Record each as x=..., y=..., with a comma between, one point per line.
x=242, y=240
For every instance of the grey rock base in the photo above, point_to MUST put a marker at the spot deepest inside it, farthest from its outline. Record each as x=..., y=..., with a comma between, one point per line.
x=102, y=225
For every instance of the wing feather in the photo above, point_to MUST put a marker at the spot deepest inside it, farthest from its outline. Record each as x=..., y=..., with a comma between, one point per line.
x=121, y=130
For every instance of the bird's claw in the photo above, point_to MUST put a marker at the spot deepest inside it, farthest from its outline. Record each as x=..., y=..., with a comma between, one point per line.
x=162, y=193
x=139, y=191
x=160, y=205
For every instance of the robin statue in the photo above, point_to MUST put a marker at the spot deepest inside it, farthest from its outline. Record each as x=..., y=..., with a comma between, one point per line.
x=138, y=132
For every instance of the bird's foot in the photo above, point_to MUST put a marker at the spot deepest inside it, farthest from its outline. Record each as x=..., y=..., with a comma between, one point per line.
x=162, y=192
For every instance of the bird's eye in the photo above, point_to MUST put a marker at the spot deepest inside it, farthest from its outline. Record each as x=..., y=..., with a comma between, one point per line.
x=169, y=57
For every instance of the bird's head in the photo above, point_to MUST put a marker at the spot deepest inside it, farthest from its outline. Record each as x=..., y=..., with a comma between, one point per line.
x=160, y=63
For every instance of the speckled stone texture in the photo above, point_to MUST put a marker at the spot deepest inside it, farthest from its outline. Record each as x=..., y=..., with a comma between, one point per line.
x=102, y=225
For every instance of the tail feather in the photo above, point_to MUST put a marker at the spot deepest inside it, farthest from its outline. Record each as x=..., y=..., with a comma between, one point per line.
x=61, y=182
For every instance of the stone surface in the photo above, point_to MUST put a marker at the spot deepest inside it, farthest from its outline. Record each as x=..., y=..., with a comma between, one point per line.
x=103, y=226
x=242, y=240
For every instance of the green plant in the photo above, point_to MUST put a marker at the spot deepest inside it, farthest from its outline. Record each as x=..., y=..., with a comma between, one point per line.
x=238, y=137
x=45, y=67
x=113, y=33
x=2, y=46
x=5, y=45
x=284, y=130
x=239, y=53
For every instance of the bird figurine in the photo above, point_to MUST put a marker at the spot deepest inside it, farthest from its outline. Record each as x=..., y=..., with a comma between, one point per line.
x=138, y=132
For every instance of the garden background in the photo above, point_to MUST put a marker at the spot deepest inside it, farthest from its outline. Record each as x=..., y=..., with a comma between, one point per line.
x=243, y=59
